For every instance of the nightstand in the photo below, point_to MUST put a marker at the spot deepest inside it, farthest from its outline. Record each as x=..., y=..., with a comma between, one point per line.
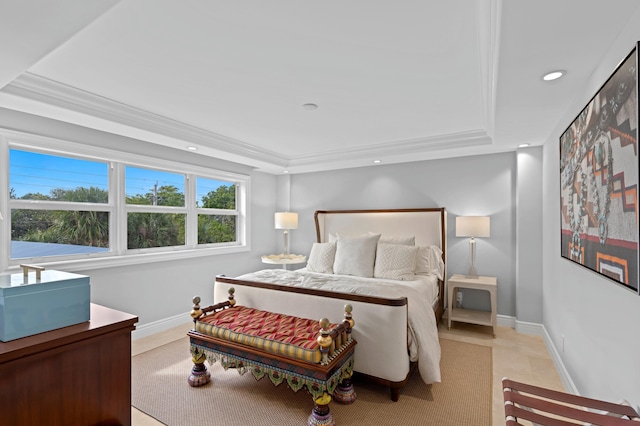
x=471, y=316
x=284, y=259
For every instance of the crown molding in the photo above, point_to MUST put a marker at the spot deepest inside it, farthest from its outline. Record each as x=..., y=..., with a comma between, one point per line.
x=412, y=146
x=48, y=92
x=488, y=20
x=40, y=89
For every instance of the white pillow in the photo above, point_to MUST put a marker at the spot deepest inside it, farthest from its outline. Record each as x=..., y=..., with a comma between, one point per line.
x=437, y=264
x=429, y=261
x=395, y=262
x=423, y=260
x=356, y=255
x=321, y=258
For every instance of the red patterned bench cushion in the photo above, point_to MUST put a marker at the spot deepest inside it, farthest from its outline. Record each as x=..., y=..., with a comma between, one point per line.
x=280, y=334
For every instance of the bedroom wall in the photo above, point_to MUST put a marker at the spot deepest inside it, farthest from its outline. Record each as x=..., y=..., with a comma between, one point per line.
x=162, y=291
x=592, y=322
x=528, y=241
x=478, y=185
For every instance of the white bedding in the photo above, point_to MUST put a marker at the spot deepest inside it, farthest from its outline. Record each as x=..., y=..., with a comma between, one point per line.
x=421, y=294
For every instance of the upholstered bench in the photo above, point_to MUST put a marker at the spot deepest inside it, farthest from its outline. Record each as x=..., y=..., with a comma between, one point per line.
x=317, y=355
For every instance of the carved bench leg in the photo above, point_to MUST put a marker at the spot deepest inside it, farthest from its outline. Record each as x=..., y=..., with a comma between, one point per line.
x=345, y=393
x=321, y=415
x=199, y=375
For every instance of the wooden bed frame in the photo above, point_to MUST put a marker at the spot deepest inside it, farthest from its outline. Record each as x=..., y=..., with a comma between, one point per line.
x=387, y=364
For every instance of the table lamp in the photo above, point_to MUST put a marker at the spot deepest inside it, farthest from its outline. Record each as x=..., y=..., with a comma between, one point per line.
x=474, y=227
x=286, y=221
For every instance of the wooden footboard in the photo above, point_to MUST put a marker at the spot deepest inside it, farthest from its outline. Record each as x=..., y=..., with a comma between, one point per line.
x=382, y=336
x=438, y=310
x=401, y=301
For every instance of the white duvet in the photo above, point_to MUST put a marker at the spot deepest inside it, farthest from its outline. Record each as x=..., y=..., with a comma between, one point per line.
x=422, y=329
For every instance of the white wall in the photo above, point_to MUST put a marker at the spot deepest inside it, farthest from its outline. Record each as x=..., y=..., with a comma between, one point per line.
x=480, y=185
x=528, y=292
x=593, y=322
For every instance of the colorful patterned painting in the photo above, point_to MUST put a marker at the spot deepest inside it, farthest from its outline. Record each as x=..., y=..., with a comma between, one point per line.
x=599, y=180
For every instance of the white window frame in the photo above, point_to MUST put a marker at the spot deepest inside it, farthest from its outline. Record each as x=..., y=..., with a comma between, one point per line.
x=117, y=208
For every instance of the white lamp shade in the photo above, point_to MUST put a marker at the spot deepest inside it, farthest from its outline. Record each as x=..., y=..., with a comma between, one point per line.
x=286, y=220
x=473, y=226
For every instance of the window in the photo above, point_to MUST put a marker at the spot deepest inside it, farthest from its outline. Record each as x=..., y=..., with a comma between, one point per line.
x=65, y=206
x=59, y=205
x=217, y=203
x=153, y=187
x=154, y=226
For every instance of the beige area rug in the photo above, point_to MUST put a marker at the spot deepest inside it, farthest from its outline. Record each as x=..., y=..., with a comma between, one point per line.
x=160, y=389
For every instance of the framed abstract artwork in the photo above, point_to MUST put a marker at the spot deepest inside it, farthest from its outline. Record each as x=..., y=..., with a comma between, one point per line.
x=599, y=180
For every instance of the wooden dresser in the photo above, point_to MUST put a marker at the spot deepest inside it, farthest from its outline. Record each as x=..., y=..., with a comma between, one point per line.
x=76, y=375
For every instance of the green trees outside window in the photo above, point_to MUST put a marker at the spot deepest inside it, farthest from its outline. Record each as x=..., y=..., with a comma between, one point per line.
x=84, y=228
x=155, y=205
x=144, y=230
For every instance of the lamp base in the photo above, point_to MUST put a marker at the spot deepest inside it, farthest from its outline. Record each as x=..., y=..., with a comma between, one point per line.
x=286, y=241
x=473, y=273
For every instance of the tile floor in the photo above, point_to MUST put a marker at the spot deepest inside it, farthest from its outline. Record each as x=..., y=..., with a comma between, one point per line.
x=518, y=356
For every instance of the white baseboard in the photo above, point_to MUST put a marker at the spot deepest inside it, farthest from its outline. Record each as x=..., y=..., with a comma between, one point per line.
x=569, y=386
x=532, y=328
x=506, y=321
x=159, y=326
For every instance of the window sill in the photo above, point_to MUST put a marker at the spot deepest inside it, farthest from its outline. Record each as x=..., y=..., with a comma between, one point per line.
x=79, y=265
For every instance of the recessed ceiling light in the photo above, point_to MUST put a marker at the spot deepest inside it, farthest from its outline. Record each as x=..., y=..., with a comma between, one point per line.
x=192, y=148
x=285, y=171
x=376, y=161
x=523, y=145
x=310, y=106
x=554, y=75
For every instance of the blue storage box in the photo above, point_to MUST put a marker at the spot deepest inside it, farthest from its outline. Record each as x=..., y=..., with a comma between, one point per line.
x=30, y=305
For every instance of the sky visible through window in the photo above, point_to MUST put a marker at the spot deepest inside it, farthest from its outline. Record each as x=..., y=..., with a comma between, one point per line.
x=31, y=172
x=146, y=181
